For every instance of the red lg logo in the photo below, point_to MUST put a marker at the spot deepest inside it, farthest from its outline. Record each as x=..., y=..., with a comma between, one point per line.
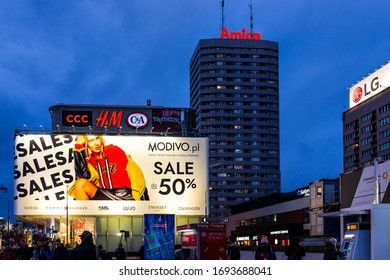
x=357, y=94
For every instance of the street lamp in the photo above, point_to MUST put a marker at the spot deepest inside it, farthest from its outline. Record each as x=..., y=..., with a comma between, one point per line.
x=5, y=190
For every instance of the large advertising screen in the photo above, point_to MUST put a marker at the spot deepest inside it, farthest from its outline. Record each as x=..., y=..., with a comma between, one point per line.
x=62, y=174
x=159, y=238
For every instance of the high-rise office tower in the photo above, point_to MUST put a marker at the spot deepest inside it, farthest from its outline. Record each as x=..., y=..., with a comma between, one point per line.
x=234, y=89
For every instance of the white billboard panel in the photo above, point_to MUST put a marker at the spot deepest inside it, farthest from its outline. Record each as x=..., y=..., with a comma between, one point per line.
x=364, y=191
x=173, y=171
x=370, y=86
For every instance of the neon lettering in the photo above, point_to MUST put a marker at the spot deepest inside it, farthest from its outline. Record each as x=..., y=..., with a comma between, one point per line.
x=243, y=35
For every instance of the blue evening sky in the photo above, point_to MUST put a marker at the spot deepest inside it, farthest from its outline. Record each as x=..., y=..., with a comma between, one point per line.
x=124, y=52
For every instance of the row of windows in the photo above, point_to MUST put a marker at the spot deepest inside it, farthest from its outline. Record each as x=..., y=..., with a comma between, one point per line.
x=369, y=117
x=237, y=55
x=239, y=103
x=240, y=49
x=220, y=87
x=238, y=80
x=384, y=146
x=241, y=96
x=240, y=143
x=241, y=127
x=235, y=135
x=243, y=184
x=245, y=72
x=238, y=63
x=232, y=111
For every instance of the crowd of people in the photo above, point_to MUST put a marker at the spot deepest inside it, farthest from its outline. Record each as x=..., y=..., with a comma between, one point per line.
x=294, y=251
x=87, y=250
x=45, y=250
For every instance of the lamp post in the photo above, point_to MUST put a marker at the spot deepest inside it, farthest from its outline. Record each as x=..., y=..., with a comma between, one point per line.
x=5, y=190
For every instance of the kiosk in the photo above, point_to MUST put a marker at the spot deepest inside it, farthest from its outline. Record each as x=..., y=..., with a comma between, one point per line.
x=356, y=242
x=203, y=241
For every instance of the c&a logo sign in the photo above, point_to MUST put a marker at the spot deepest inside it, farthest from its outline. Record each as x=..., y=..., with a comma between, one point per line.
x=76, y=118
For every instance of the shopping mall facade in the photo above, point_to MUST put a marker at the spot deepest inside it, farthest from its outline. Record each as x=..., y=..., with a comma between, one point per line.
x=174, y=168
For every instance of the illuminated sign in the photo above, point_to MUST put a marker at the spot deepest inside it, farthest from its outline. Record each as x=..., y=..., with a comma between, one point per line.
x=109, y=119
x=77, y=118
x=166, y=119
x=189, y=240
x=137, y=120
x=243, y=35
x=352, y=227
x=174, y=170
x=303, y=192
x=370, y=86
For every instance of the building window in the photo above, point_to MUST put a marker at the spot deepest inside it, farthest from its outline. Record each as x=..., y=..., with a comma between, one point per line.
x=367, y=128
x=384, y=134
x=384, y=109
x=384, y=146
x=366, y=141
x=367, y=117
x=384, y=121
x=367, y=153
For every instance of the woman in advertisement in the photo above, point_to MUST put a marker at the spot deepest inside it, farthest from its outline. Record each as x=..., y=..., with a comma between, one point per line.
x=105, y=172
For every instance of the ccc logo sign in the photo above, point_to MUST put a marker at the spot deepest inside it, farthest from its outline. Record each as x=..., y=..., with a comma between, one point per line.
x=76, y=118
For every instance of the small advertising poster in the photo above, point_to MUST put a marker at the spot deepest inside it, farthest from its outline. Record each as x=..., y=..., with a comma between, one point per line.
x=189, y=240
x=159, y=238
x=61, y=174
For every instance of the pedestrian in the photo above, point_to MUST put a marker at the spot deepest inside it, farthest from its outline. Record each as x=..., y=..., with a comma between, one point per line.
x=42, y=251
x=234, y=252
x=120, y=253
x=24, y=252
x=86, y=250
x=7, y=253
x=264, y=250
x=295, y=251
x=60, y=252
x=331, y=252
x=102, y=253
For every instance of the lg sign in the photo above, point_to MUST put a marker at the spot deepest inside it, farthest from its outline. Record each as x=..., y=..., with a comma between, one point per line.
x=370, y=86
x=359, y=92
x=137, y=120
x=76, y=118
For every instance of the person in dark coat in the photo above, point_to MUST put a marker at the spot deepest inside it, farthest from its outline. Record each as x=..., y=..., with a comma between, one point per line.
x=264, y=250
x=60, y=252
x=331, y=252
x=43, y=251
x=234, y=252
x=103, y=253
x=120, y=253
x=24, y=252
x=86, y=250
x=295, y=251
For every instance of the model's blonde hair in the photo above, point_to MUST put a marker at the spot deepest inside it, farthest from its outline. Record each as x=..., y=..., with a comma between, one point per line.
x=87, y=151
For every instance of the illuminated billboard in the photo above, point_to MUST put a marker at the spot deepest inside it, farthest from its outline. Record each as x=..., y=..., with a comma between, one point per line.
x=370, y=86
x=110, y=175
x=359, y=187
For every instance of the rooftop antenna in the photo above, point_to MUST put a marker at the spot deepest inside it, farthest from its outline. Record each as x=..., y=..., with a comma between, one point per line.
x=251, y=17
x=222, y=14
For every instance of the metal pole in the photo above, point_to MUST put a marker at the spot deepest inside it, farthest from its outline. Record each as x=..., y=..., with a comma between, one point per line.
x=377, y=199
x=67, y=217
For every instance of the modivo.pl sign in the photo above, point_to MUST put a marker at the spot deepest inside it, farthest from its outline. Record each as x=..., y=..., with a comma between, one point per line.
x=243, y=35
